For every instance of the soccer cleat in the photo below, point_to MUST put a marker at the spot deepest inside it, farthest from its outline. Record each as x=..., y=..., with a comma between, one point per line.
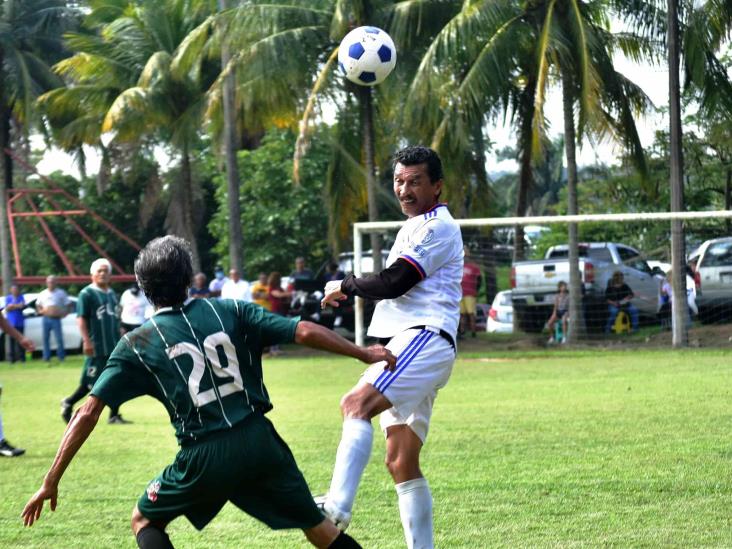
x=118, y=420
x=337, y=517
x=66, y=410
x=7, y=450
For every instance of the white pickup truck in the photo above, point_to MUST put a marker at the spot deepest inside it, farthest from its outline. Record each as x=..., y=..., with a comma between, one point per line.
x=534, y=283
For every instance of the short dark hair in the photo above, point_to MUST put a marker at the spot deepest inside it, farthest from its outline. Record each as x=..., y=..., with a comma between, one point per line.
x=164, y=270
x=417, y=154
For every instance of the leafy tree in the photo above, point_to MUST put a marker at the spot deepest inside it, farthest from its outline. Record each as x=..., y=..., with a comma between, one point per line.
x=282, y=220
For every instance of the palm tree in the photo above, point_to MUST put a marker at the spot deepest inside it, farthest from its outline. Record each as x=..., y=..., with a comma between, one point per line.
x=122, y=85
x=30, y=40
x=508, y=52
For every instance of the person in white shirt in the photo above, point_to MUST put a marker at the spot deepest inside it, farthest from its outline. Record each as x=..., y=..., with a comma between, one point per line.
x=419, y=314
x=53, y=304
x=236, y=288
x=136, y=309
x=218, y=282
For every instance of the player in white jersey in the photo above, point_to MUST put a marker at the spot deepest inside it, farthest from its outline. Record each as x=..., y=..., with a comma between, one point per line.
x=419, y=313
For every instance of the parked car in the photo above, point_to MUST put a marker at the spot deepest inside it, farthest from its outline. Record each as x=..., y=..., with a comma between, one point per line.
x=713, y=276
x=34, y=326
x=534, y=283
x=500, y=315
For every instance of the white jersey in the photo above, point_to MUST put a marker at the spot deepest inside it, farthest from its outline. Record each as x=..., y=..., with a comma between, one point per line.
x=432, y=243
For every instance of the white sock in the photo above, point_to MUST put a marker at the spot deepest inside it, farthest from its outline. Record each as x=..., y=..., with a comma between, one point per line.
x=352, y=456
x=415, y=508
x=2, y=434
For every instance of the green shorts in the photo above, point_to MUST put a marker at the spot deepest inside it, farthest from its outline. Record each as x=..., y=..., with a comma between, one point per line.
x=93, y=366
x=250, y=466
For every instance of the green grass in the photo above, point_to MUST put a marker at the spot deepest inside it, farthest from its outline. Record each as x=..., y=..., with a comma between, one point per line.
x=544, y=449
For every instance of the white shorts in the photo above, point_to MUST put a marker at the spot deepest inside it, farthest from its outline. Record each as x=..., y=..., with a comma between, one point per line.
x=424, y=364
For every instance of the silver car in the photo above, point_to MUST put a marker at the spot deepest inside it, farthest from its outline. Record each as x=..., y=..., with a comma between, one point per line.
x=34, y=325
x=714, y=281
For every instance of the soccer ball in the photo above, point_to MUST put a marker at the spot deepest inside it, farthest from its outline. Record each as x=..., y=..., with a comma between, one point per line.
x=367, y=55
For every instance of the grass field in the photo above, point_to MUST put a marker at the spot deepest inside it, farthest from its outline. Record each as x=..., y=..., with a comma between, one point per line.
x=560, y=449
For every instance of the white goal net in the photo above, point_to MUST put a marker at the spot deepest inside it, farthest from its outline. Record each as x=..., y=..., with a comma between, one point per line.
x=617, y=253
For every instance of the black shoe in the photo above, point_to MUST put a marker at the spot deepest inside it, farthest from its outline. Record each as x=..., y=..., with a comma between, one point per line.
x=66, y=410
x=118, y=420
x=7, y=450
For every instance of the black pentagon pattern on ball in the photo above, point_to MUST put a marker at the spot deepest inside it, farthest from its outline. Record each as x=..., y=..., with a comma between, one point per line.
x=356, y=50
x=384, y=53
x=367, y=77
x=340, y=66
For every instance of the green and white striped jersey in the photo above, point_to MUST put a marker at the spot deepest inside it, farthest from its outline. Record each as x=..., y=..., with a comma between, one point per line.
x=202, y=361
x=99, y=308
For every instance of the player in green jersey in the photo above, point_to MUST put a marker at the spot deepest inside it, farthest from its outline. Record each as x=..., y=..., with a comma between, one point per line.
x=96, y=311
x=202, y=360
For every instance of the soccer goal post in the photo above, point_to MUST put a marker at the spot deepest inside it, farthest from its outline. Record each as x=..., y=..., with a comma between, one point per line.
x=636, y=245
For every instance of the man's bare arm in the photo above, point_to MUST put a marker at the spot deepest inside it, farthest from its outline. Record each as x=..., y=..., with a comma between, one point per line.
x=26, y=343
x=87, y=344
x=78, y=430
x=316, y=336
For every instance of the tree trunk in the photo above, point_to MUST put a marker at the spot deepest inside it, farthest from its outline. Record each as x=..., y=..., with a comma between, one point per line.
x=188, y=228
x=526, y=173
x=576, y=322
x=6, y=182
x=367, y=135
x=728, y=200
x=231, y=146
x=678, y=252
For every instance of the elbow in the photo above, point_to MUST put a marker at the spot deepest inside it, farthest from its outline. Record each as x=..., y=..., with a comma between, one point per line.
x=304, y=331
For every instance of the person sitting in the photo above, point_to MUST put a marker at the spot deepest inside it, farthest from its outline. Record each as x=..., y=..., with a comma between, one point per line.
x=200, y=289
x=560, y=313
x=260, y=292
x=618, y=296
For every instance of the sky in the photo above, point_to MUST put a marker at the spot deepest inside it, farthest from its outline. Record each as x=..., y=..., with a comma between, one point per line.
x=653, y=80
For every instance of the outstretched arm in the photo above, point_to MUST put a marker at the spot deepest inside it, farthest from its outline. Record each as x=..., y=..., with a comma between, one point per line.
x=79, y=429
x=316, y=336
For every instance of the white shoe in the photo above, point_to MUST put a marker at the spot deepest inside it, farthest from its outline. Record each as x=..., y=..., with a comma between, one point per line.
x=336, y=516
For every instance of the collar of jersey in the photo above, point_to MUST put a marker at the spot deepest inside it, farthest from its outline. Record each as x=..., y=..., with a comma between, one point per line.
x=438, y=205
x=162, y=310
x=97, y=288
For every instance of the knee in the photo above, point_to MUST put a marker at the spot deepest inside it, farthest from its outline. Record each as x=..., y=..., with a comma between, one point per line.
x=353, y=407
x=138, y=521
x=402, y=469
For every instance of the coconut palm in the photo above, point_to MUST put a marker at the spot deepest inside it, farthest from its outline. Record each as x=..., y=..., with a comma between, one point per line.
x=30, y=41
x=121, y=85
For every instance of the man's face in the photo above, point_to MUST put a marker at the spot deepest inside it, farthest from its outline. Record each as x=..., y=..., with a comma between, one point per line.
x=100, y=277
x=263, y=279
x=51, y=282
x=414, y=190
x=234, y=275
x=299, y=264
x=199, y=281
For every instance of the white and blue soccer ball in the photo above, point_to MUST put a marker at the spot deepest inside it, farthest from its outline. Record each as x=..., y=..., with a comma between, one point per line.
x=367, y=55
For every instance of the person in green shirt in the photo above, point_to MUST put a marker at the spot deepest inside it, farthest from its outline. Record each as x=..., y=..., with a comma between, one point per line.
x=202, y=359
x=96, y=310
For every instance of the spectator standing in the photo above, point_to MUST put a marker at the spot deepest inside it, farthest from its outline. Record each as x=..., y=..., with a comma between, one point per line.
x=14, y=305
x=135, y=309
x=301, y=272
x=260, y=292
x=236, y=287
x=279, y=300
x=333, y=272
x=469, y=302
x=52, y=303
x=200, y=289
x=618, y=296
x=218, y=282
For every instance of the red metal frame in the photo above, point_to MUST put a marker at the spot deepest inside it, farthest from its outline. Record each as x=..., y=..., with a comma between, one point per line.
x=74, y=274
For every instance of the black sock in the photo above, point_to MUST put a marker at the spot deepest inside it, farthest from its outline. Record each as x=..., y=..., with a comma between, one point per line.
x=113, y=411
x=151, y=537
x=344, y=541
x=80, y=393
